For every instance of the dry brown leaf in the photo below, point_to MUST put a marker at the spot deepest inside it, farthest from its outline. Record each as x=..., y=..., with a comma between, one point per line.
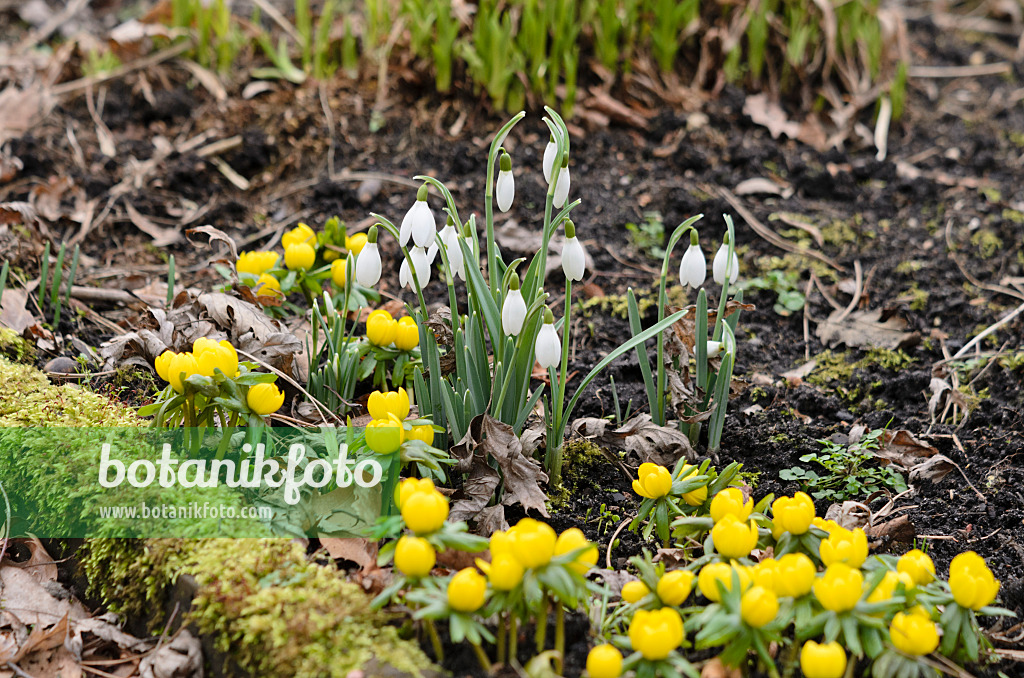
x=17, y=213
x=13, y=313
x=215, y=234
x=762, y=186
x=904, y=449
x=795, y=376
x=639, y=436
x=39, y=564
x=41, y=639
x=162, y=237
x=933, y=470
x=22, y=109
x=182, y=657
x=236, y=316
x=898, y=529
x=358, y=550
x=864, y=329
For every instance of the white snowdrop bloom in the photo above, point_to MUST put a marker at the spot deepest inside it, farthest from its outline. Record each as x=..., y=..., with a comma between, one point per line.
x=574, y=259
x=550, y=151
x=513, y=310
x=456, y=262
x=432, y=253
x=448, y=230
x=561, y=186
x=548, y=348
x=368, y=266
x=719, y=267
x=714, y=348
x=505, y=186
x=422, y=264
x=418, y=222
x=693, y=269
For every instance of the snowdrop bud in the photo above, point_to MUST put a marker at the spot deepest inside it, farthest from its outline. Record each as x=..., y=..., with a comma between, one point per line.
x=456, y=262
x=505, y=187
x=719, y=267
x=574, y=259
x=368, y=261
x=693, y=268
x=448, y=230
x=418, y=222
x=548, y=348
x=562, y=185
x=714, y=348
x=421, y=262
x=513, y=310
x=549, y=158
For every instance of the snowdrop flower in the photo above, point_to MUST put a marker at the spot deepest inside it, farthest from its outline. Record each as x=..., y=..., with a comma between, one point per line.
x=513, y=310
x=714, y=348
x=422, y=264
x=505, y=186
x=418, y=222
x=548, y=348
x=562, y=185
x=574, y=259
x=549, y=158
x=456, y=262
x=368, y=262
x=719, y=267
x=693, y=268
x=448, y=230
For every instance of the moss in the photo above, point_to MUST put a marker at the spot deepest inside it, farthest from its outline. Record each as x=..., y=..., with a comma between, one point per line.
x=579, y=458
x=617, y=305
x=1015, y=216
x=987, y=242
x=14, y=348
x=830, y=367
x=885, y=358
x=793, y=262
x=910, y=266
x=918, y=297
x=34, y=401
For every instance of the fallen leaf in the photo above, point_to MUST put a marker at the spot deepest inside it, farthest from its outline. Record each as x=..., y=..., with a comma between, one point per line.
x=795, y=376
x=769, y=114
x=182, y=657
x=898, y=529
x=42, y=638
x=639, y=437
x=864, y=329
x=13, y=313
x=22, y=109
x=358, y=550
x=762, y=186
x=215, y=234
x=904, y=449
x=39, y=564
x=17, y=213
x=162, y=237
x=933, y=470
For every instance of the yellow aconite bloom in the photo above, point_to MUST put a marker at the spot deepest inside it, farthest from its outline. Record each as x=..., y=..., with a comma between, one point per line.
x=425, y=512
x=264, y=399
x=655, y=634
x=715, y=572
x=845, y=546
x=256, y=263
x=914, y=632
x=792, y=514
x=971, y=581
x=918, y=565
x=758, y=606
x=407, y=335
x=887, y=587
x=162, y=364
x=211, y=356
x=794, y=575
x=267, y=285
x=694, y=497
x=354, y=243
x=411, y=486
x=424, y=433
x=633, y=591
x=300, y=234
x=604, y=661
x=839, y=588
x=467, y=590
x=381, y=328
x=504, y=571
x=181, y=367
x=501, y=542
x=730, y=502
x=414, y=557
x=734, y=538
x=384, y=436
x=675, y=587
x=765, y=573
x=396, y=403
x=338, y=273
x=827, y=525
x=652, y=481
x=299, y=256
x=827, y=660
x=572, y=540
x=533, y=542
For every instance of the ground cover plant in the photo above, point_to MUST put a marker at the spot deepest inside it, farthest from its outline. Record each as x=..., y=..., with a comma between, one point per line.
x=662, y=379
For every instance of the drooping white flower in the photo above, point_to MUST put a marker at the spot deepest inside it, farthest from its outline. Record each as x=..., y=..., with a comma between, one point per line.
x=548, y=348
x=418, y=222
x=693, y=269
x=714, y=348
x=513, y=310
x=456, y=262
x=561, y=186
x=723, y=264
x=448, y=231
x=505, y=186
x=432, y=253
x=550, y=151
x=422, y=264
x=574, y=259
x=368, y=266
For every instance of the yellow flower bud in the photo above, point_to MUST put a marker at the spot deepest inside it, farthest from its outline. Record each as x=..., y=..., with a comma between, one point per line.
x=264, y=399
x=407, y=334
x=411, y=486
x=734, y=538
x=758, y=606
x=721, y=572
x=395, y=403
x=839, y=589
x=793, y=515
x=675, y=587
x=384, y=436
x=414, y=557
x=354, y=243
x=300, y=234
x=887, y=586
x=572, y=540
x=211, y=356
x=381, y=328
x=267, y=285
x=827, y=525
x=652, y=481
x=693, y=497
x=971, y=581
x=338, y=273
x=504, y=571
x=424, y=433
x=533, y=543
x=794, y=575
x=501, y=542
x=827, y=660
x=467, y=590
x=633, y=591
x=914, y=633
x=730, y=501
x=765, y=573
x=256, y=263
x=181, y=367
x=655, y=634
x=604, y=661
x=425, y=512
x=918, y=565
x=845, y=546
x=162, y=364
x=299, y=256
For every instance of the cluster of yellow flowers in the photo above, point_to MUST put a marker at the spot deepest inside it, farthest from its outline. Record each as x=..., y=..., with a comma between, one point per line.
x=383, y=330
x=386, y=432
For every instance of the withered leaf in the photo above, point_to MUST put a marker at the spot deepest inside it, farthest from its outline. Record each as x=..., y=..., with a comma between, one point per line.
x=863, y=329
x=237, y=316
x=215, y=234
x=933, y=470
x=39, y=564
x=162, y=237
x=904, y=449
x=639, y=436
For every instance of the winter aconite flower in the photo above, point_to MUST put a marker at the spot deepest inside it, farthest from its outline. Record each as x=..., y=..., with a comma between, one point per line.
x=411, y=486
x=675, y=586
x=425, y=512
x=300, y=234
x=548, y=164
x=562, y=185
x=548, y=347
x=693, y=269
x=825, y=660
x=368, y=266
x=513, y=309
x=914, y=632
x=758, y=606
x=918, y=565
x=693, y=497
x=724, y=264
x=381, y=404
x=653, y=481
x=886, y=588
x=839, y=588
x=381, y=328
x=418, y=222
x=299, y=256
x=162, y=364
x=212, y=356
x=712, y=573
x=845, y=546
x=264, y=399
x=423, y=433
x=354, y=243
x=794, y=575
x=533, y=542
x=635, y=590
x=267, y=284
x=384, y=436
x=572, y=540
x=504, y=572
x=414, y=556
x=604, y=661
x=467, y=590
x=256, y=263
x=574, y=259
x=338, y=272
x=181, y=367
x=792, y=514
x=655, y=634
x=730, y=501
x=971, y=581
x=505, y=186
x=734, y=538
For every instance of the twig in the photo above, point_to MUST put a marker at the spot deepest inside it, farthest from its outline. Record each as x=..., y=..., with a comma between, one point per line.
x=608, y=551
x=858, y=284
x=279, y=19
x=807, y=320
x=967, y=274
x=988, y=330
x=959, y=71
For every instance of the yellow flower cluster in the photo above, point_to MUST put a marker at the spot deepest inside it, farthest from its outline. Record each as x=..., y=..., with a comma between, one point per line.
x=423, y=508
x=386, y=433
x=383, y=330
x=205, y=358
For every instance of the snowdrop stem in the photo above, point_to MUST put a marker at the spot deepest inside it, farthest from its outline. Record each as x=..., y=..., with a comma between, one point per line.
x=492, y=157
x=558, y=393
x=717, y=336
